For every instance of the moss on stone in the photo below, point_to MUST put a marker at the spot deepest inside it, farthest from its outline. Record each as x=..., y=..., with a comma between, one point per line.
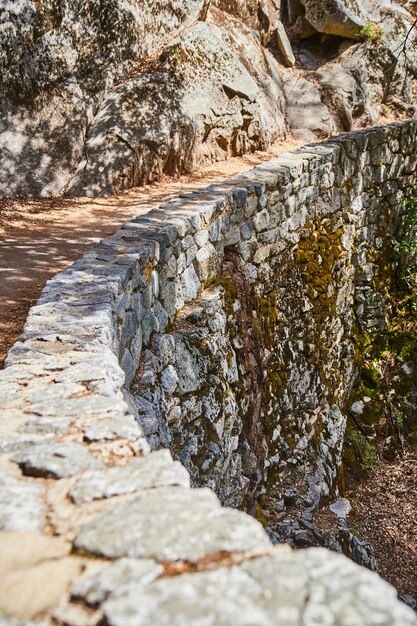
x=387, y=363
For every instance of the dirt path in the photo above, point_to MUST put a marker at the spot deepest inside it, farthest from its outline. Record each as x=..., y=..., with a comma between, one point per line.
x=42, y=237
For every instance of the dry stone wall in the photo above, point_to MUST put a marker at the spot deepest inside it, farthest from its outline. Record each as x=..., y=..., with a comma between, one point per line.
x=187, y=330
x=248, y=386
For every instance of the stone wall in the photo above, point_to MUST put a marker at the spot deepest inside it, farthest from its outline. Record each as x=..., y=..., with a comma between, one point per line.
x=248, y=386
x=211, y=297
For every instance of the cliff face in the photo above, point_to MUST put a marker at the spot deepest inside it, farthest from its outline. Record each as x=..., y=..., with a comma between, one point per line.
x=101, y=96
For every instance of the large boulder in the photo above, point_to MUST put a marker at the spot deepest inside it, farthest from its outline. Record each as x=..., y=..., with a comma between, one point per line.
x=58, y=59
x=215, y=93
x=344, y=18
x=305, y=109
x=367, y=76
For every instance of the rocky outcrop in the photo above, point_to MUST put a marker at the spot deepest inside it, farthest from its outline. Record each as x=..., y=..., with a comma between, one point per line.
x=57, y=60
x=77, y=98
x=88, y=110
x=262, y=15
x=344, y=18
x=215, y=94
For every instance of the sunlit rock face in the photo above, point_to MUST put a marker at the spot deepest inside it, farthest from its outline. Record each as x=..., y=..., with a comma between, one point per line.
x=89, y=103
x=104, y=95
x=215, y=94
x=57, y=60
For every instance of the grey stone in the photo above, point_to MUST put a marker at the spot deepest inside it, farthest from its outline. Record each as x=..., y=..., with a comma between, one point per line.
x=164, y=524
x=46, y=425
x=60, y=460
x=232, y=79
x=147, y=416
x=283, y=588
x=305, y=109
x=341, y=508
x=72, y=407
x=107, y=428
x=189, y=365
x=285, y=45
x=22, y=505
x=344, y=18
x=190, y=284
x=154, y=470
x=207, y=262
x=23, y=442
x=261, y=221
x=115, y=580
x=169, y=379
x=80, y=73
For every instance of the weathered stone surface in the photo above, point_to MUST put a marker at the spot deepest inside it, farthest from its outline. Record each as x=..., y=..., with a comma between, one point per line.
x=55, y=461
x=144, y=528
x=213, y=405
x=341, y=507
x=31, y=592
x=345, y=18
x=22, y=505
x=154, y=470
x=35, y=570
x=285, y=45
x=282, y=589
x=118, y=427
x=170, y=113
x=355, y=83
x=262, y=15
x=115, y=579
x=42, y=425
x=33, y=548
x=11, y=621
x=253, y=377
x=52, y=83
x=305, y=109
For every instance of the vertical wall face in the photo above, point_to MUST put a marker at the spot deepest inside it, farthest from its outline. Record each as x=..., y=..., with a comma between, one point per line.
x=249, y=387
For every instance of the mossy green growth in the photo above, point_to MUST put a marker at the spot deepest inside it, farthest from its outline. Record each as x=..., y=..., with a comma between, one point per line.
x=372, y=32
x=387, y=359
x=316, y=257
x=260, y=515
x=365, y=450
x=267, y=316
